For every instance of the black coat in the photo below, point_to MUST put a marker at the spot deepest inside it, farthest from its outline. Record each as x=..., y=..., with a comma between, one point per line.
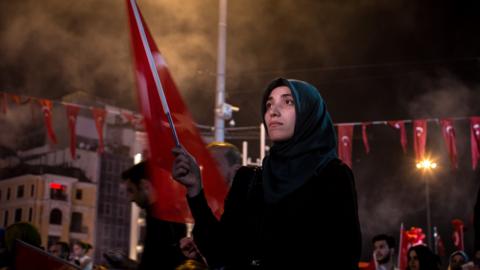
x=161, y=248
x=476, y=222
x=314, y=227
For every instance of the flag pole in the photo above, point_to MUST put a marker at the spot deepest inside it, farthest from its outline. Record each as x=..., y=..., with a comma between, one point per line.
x=400, y=245
x=153, y=69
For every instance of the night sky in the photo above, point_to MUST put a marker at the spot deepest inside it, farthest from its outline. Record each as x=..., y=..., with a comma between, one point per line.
x=371, y=60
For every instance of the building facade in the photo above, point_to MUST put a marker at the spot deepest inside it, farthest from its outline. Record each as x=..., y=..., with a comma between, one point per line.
x=61, y=207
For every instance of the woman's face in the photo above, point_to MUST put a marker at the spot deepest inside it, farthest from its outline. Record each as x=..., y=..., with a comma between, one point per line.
x=78, y=250
x=413, y=263
x=280, y=114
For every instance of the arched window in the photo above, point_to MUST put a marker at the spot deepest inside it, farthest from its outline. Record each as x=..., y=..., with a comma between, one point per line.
x=56, y=217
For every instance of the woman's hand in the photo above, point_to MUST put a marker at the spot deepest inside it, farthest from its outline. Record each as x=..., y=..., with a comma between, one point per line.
x=186, y=171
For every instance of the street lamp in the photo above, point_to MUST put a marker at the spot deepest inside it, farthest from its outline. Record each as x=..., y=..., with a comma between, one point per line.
x=427, y=165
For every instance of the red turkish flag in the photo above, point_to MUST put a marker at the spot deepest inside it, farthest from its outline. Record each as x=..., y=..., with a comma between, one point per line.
x=345, y=143
x=457, y=236
x=400, y=125
x=408, y=238
x=135, y=120
x=448, y=132
x=415, y=236
x=475, y=140
x=403, y=246
x=172, y=204
x=4, y=103
x=365, y=137
x=72, y=112
x=419, y=138
x=47, y=115
x=18, y=99
x=440, y=246
x=99, y=117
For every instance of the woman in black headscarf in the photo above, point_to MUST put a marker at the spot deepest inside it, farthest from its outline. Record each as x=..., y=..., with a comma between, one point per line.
x=422, y=258
x=285, y=214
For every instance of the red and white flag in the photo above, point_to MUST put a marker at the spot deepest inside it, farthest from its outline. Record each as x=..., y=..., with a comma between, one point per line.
x=408, y=238
x=448, y=132
x=99, y=117
x=47, y=116
x=400, y=126
x=475, y=140
x=365, y=137
x=403, y=247
x=439, y=246
x=135, y=120
x=345, y=143
x=419, y=138
x=72, y=112
x=148, y=62
x=457, y=235
x=19, y=100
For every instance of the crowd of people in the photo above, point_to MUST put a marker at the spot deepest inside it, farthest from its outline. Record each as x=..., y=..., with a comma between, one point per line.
x=76, y=253
x=419, y=257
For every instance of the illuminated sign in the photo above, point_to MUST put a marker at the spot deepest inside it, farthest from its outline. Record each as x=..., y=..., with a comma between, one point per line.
x=57, y=186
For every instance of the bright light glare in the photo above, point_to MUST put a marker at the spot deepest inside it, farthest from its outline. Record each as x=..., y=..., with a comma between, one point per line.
x=137, y=158
x=426, y=164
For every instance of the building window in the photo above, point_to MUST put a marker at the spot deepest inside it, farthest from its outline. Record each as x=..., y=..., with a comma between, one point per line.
x=120, y=212
x=56, y=217
x=30, y=214
x=8, y=194
x=78, y=194
x=5, y=219
x=32, y=191
x=58, y=192
x=76, y=222
x=107, y=209
x=108, y=189
x=20, y=191
x=18, y=215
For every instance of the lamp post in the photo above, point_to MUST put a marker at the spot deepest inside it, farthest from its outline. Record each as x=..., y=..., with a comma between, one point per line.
x=427, y=166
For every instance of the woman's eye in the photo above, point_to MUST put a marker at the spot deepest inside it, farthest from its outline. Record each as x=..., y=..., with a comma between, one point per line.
x=268, y=105
x=289, y=102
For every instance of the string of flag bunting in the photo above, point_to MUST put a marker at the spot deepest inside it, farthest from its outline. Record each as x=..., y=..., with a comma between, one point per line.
x=345, y=130
x=420, y=128
x=72, y=110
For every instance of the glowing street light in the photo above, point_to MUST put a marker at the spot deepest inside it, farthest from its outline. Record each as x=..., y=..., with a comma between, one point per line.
x=427, y=165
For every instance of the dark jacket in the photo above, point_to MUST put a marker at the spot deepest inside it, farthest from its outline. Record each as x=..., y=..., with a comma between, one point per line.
x=291, y=234
x=161, y=246
x=476, y=223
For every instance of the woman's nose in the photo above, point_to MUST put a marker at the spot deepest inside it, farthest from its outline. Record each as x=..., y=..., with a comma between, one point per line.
x=274, y=110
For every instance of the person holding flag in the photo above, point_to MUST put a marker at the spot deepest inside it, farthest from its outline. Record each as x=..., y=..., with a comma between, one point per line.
x=269, y=212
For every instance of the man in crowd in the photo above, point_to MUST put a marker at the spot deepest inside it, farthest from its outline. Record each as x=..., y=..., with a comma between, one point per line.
x=60, y=249
x=228, y=159
x=384, y=252
x=161, y=244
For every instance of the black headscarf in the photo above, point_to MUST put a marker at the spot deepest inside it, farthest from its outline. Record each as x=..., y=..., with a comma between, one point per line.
x=426, y=258
x=291, y=163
